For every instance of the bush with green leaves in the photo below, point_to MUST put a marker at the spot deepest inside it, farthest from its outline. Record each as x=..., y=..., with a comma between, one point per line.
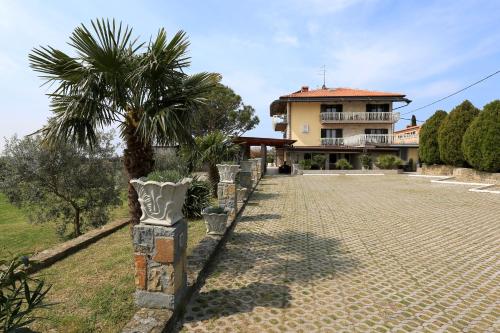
x=366, y=161
x=481, y=142
x=319, y=160
x=451, y=133
x=163, y=176
x=20, y=295
x=388, y=162
x=305, y=164
x=197, y=197
x=62, y=182
x=428, y=149
x=343, y=164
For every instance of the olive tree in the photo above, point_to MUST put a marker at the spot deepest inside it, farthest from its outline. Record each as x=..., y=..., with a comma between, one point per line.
x=70, y=184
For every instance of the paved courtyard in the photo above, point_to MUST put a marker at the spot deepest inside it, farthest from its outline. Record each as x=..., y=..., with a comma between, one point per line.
x=356, y=254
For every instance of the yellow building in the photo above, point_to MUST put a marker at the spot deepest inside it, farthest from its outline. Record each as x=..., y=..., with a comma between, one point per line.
x=341, y=123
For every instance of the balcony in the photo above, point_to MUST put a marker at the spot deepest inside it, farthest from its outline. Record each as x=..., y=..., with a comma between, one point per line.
x=359, y=117
x=362, y=140
x=279, y=123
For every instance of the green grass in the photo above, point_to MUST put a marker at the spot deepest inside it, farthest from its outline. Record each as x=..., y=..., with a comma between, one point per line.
x=19, y=237
x=93, y=289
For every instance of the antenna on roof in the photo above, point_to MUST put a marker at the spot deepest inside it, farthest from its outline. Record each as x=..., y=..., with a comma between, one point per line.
x=323, y=72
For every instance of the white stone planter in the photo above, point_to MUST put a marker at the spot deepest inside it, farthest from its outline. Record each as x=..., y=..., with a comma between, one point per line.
x=241, y=194
x=228, y=172
x=161, y=203
x=215, y=223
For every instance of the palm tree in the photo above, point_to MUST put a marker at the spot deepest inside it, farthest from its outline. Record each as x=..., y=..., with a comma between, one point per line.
x=112, y=80
x=211, y=149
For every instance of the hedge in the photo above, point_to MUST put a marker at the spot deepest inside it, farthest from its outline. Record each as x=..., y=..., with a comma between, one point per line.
x=428, y=150
x=481, y=141
x=451, y=132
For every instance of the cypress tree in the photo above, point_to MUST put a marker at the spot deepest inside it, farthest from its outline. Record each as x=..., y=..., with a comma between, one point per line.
x=428, y=150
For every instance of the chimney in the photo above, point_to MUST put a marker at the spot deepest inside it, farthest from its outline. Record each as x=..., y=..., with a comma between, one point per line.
x=304, y=89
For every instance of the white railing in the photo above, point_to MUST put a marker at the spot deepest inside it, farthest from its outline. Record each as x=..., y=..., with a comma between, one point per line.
x=359, y=117
x=332, y=141
x=371, y=139
x=279, y=120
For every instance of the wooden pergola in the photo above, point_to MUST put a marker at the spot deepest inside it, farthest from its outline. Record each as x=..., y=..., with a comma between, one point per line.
x=246, y=142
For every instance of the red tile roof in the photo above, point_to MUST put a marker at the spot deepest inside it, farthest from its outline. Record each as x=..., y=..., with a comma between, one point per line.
x=340, y=92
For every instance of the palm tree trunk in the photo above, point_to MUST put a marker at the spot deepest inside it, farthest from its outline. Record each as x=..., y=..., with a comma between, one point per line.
x=138, y=160
x=213, y=177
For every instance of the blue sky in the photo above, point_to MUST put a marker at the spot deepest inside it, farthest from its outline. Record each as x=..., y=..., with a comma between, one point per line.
x=265, y=49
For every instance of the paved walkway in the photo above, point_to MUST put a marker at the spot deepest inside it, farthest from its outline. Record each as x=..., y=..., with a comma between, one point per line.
x=356, y=254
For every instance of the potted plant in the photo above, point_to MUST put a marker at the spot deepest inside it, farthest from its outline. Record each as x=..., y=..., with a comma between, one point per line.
x=228, y=171
x=215, y=220
x=161, y=196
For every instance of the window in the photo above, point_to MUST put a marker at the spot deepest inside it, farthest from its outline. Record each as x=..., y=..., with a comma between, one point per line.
x=376, y=131
x=331, y=133
x=331, y=108
x=305, y=128
x=377, y=107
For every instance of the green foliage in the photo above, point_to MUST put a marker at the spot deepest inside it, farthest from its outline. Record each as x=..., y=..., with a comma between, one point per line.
x=305, y=164
x=19, y=295
x=481, y=142
x=63, y=182
x=366, y=161
x=197, y=197
x=388, y=161
x=343, y=164
x=428, y=150
x=224, y=111
x=165, y=176
x=168, y=159
x=451, y=133
x=319, y=160
x=215, y=210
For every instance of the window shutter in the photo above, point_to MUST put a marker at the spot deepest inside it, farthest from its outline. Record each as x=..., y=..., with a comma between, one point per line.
x=323, y=133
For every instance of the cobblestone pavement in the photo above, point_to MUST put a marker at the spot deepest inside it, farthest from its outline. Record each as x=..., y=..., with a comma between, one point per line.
x=356, y=254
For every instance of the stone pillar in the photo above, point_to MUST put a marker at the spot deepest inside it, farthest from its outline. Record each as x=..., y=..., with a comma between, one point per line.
x=259, y=167
x=254, y=171
x=160, y=264
x=227, y=197
x=245, y=175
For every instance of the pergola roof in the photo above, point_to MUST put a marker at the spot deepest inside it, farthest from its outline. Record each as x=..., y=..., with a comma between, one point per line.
x=254, y=141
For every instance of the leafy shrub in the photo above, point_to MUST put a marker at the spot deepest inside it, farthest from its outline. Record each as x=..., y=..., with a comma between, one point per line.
x=388, y=162
x=366, y=161
x=451, y=133
x=162, y=176
x=305, y=164
x=197, y=197
x=481, y=141
x=428, y=138
x=19, y=295
x=319, y=160
x=167, y=159
x=343, y=164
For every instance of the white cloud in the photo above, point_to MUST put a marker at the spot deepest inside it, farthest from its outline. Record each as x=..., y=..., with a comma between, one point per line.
x=286, y=39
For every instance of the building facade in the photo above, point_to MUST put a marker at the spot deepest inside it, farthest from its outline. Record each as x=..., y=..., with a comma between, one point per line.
x=341, y=123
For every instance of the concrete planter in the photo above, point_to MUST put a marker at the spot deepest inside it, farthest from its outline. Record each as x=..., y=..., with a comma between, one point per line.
x=241, y=194
x=161, y=203
x=215, y=223
x=228, y=172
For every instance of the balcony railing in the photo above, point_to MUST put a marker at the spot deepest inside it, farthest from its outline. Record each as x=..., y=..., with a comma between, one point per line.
x=332, y=141
x=359, y=117
x=279, y=123
x=371, y=139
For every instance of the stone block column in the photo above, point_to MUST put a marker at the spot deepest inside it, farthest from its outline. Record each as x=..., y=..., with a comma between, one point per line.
x=245, y=175
x=227, y=197
x=255, y=171
x=160, y=264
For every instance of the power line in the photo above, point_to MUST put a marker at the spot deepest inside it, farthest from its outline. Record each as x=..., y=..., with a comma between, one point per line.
x=453, y=94
x=418, y=121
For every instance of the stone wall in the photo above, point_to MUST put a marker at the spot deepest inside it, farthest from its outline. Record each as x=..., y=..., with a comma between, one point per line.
x=463, y=174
